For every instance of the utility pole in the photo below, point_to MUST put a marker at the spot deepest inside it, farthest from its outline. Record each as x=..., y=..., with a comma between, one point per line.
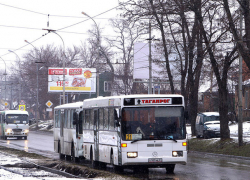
x=150, y=61
x=240, y=138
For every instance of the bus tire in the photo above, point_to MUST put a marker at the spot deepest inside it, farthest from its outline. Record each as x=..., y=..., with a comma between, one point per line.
x=140, y=169
x=94, y=164
x=170, y=168
x=73, y=158
x=61, y=156
x=112, y=162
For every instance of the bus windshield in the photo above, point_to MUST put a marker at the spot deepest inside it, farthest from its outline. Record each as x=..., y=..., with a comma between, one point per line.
x=17, y=119
x=153, y=123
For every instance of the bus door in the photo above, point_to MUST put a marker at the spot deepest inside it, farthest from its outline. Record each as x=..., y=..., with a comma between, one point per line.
x=96, y=135
x=62, y=131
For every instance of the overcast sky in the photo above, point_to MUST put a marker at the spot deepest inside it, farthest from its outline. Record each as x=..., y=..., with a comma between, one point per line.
x=24, y=20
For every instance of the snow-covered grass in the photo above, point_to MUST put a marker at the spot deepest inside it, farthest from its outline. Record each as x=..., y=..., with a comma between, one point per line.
x=43, y=125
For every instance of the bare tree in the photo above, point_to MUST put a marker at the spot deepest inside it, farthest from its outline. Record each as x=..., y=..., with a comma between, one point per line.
x=95, y=54
x=243, y=45
x=221, y=59
x=180, y=36
x=28, y=71
x=128, y=32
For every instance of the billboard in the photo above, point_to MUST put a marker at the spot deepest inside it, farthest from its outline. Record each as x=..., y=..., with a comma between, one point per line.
x=76, y=79
x=141, y=62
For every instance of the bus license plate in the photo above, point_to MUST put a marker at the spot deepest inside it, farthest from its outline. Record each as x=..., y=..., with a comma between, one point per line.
x=154, y=160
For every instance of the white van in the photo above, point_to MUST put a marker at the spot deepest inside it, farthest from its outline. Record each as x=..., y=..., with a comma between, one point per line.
x=201, y=118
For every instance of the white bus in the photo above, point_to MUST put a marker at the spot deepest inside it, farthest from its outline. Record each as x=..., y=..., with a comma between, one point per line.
x=14, y=123
x=68, y=133
x=137, y=131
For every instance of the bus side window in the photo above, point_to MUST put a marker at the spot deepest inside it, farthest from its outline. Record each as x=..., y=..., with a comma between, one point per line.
x=111, y=119
x=65, y=118
x=86, y=118
x=106, y=118
x=69, y=119
x=101, y=119
x=60, y=118
x=91, y=119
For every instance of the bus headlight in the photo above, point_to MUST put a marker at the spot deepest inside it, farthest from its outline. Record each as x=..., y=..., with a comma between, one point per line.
x=8, y=130
x=26, y=131
x=132, y=154
x=177, y=153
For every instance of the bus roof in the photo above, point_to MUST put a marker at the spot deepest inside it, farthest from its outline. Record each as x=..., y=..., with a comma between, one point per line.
x=70, y=105
x=136, y=96
x=104, y=101
x=16, y=112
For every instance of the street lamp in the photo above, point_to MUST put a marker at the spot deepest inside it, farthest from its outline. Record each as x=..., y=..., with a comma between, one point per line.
x=99, y=46
x=54, y=31
x=5, y=74
x=37, y=87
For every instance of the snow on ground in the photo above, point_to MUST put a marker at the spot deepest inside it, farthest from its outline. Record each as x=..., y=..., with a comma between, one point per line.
x=233, y=131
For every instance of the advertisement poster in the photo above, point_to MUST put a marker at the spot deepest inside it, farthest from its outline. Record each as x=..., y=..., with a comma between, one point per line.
x=76, y=80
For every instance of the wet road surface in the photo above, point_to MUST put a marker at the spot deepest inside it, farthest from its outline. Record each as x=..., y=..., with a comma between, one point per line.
x=200, y=165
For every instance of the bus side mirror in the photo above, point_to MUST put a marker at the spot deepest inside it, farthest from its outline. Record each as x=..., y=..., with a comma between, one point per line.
x=117, y=123
x=75, y=118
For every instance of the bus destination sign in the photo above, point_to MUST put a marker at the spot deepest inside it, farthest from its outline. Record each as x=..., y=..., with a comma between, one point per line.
x=151, y=101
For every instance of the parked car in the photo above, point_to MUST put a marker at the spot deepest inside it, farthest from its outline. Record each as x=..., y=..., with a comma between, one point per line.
x=211, y=129
x=201, y=119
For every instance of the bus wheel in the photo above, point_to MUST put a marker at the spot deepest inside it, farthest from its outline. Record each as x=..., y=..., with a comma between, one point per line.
x=73, y=158
x=112, y=162
x=94, y=164
x=140, y=169
x=170, y=168
x=61, y=156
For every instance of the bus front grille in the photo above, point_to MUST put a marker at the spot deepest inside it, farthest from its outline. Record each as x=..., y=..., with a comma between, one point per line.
x=17, y=130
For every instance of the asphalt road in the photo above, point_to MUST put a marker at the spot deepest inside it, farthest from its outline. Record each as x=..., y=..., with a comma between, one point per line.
x=200, y=165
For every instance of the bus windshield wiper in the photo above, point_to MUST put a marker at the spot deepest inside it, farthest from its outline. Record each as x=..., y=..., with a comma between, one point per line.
x=171, y=138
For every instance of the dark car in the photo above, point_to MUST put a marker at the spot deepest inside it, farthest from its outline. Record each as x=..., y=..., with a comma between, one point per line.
x=211, y=129
x=201, y=119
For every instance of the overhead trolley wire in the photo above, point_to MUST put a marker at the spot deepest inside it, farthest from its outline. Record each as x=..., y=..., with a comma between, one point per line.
x=50, y=15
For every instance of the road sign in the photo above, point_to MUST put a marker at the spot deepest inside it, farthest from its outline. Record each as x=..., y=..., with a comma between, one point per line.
x=6, y=104
x=22, y=102
x=22, y=107
x=49, y=103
